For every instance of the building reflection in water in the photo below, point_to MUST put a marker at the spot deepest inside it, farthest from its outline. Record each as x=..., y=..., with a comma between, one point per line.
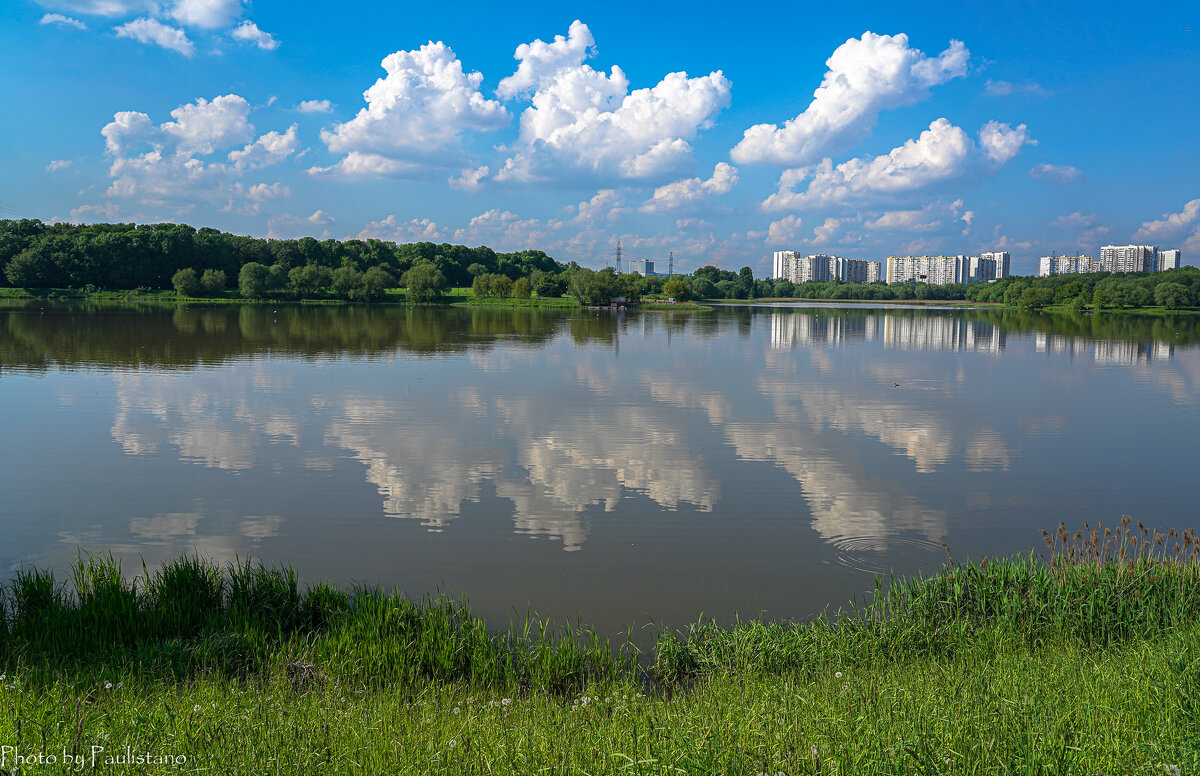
x=925, y=332
x=1107, y=352
x=669, y=423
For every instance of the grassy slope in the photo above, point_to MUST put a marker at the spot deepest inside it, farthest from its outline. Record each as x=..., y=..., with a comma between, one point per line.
x=1089, y=666
x=997, y=708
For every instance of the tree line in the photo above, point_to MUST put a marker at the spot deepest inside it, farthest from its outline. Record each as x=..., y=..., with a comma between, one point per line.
x=34, y=254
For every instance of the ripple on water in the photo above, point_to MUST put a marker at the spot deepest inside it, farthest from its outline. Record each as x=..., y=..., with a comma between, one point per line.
x=880, y=553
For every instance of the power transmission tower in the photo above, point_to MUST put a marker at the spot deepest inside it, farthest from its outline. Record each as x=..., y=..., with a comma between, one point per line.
x=618, y=257
x=670, y=263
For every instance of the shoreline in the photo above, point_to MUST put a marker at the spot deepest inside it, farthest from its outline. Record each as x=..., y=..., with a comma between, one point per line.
x=1027, y=661
x=396, y=297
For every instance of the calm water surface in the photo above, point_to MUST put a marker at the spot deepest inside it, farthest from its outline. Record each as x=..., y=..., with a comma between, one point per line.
x=613, y=468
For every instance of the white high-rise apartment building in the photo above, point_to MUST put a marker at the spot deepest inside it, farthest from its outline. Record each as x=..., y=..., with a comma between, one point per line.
x=780, y=261
x=1129, y=258
x=942, y=270
x=1170, y=259
x=1001, y=258
x=822, y=267
x=1067, y=265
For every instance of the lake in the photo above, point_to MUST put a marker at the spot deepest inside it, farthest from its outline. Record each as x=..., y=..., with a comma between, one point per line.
x=615, y=468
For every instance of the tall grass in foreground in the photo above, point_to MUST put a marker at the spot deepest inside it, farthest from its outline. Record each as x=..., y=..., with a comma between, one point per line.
x=1086, y=662
x=192, y=617
x=1098, y=587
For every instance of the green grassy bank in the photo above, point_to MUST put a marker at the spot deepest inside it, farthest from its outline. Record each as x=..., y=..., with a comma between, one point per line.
x=1086, y=661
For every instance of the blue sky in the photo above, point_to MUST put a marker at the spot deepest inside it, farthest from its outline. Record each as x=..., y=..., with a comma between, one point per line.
x=718, y=132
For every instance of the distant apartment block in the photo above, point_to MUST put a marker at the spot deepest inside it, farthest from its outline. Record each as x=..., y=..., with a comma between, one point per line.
x=1170, y=259
x=1001, y=259
x=1129, y=258
x=820, y=268
x=943, y=270
x=1067, y=265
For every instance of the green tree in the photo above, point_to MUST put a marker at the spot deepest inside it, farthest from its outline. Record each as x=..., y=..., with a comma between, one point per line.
x=186, y=283
x=521, y=288
x=374, y=283
x=1172, y=295
x=731, y=289
x=345, y=280
x=591, y=287
x=425, y=283
x=501, y=285
x=253, y=280
x=701, y=287
x=476, y=269
x=550, y=286
x=277, y=278
x=1035, y=298
x=681, y=290
x=213, y=280
x=632, y=286
x=310, y=280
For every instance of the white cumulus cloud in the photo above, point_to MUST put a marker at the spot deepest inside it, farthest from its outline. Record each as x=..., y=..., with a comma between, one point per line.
x=785, y=231
x=100, y=7
x=315, y=106
x=202, y=126
x=62, y=21
x=1001, y=142
x=865, y=76
x=165, y=164
x=942, y=153
x=691, y=192
x=1055, y=173
x=471, y=179
x=149, y=31
x=417, y=111
x=271, y=148
x=540, y=62
x=587, y=122
x=358, y=164
x=209, y=14
x=395, y=230
x=261, y=192
x=1006, y=88
x=248, y=32
x=287, y=225
x=1076, y=220
x=1183, y=226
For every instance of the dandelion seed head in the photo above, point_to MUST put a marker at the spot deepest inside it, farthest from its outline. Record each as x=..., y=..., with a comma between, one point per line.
x=506, y=701
x=456, y=710
x=196, y=707
x=838, y=675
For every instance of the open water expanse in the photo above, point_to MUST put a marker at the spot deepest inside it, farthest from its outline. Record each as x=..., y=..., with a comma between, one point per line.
x=616, y=468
